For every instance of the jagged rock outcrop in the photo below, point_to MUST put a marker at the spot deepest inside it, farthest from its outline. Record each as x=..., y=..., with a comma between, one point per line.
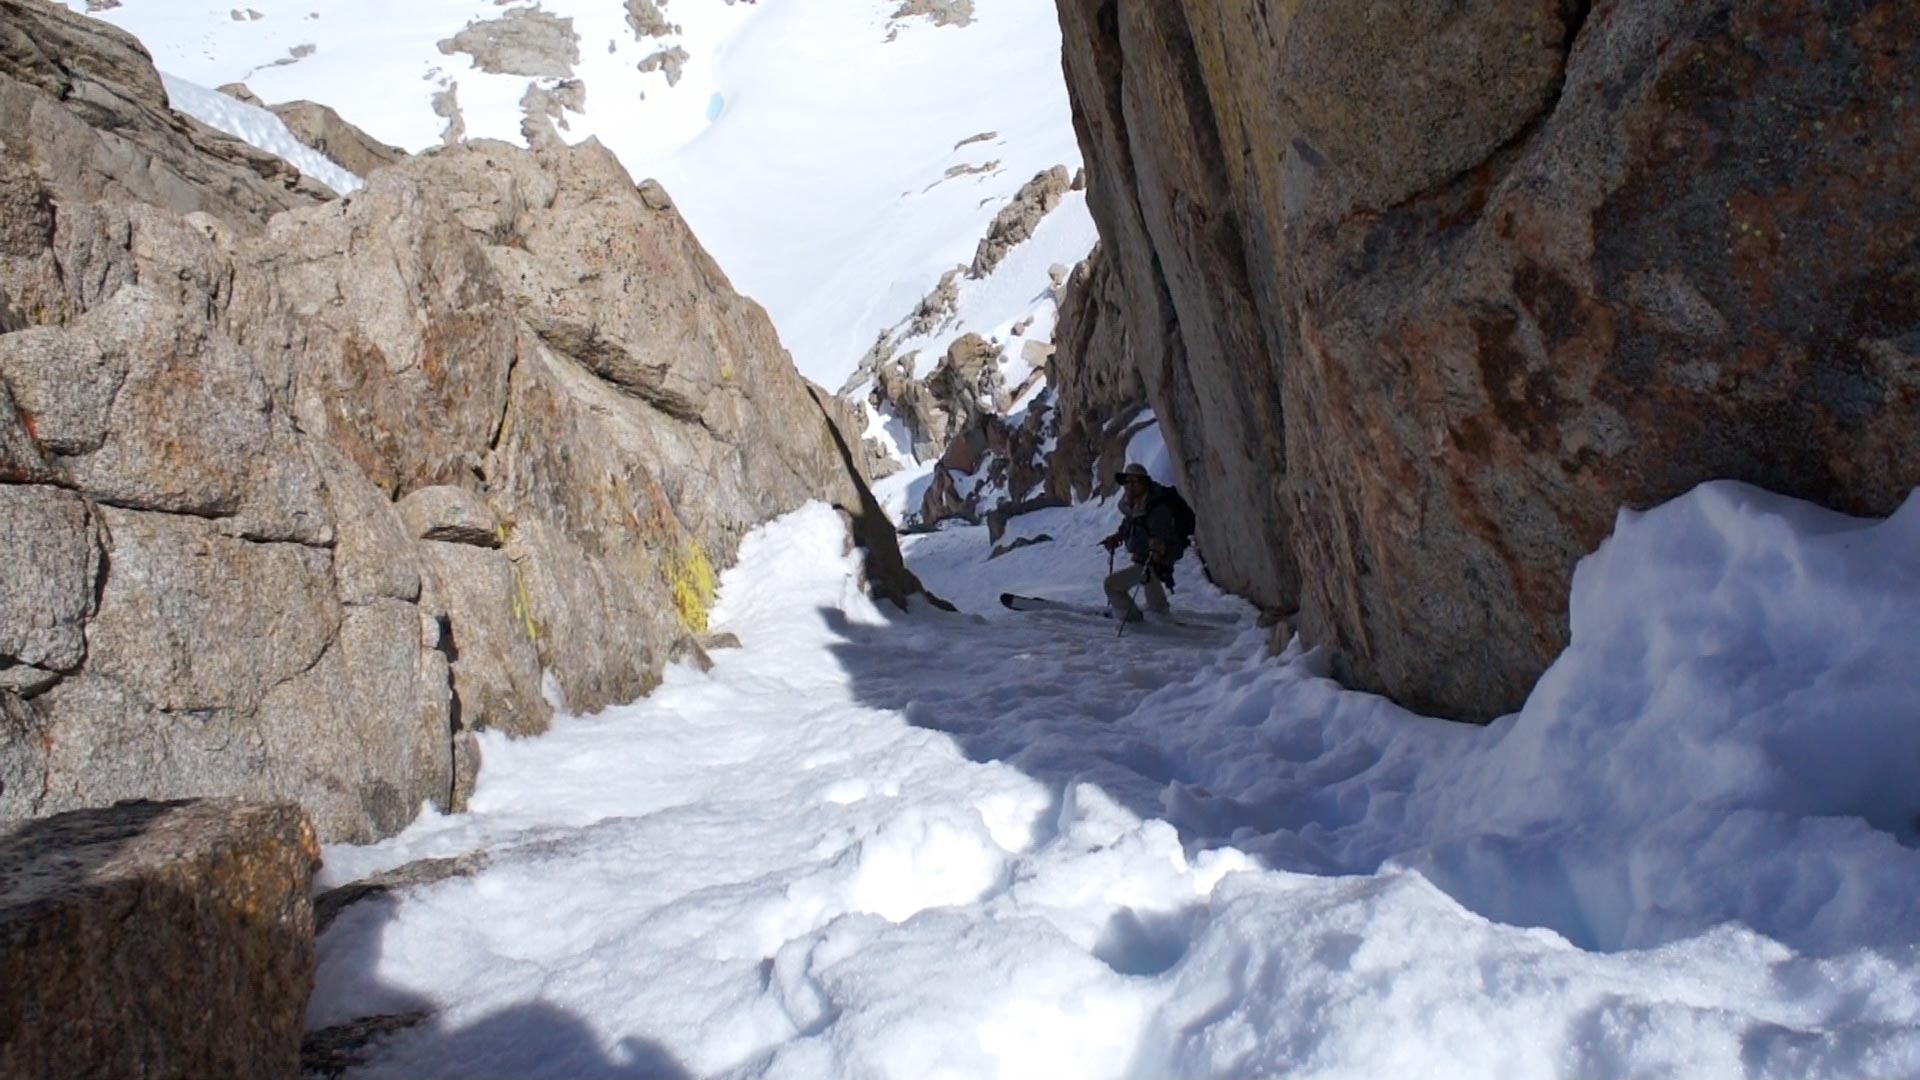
x=671, y=61
x=522, y=41
x=300, y=502
x=951, y=413
x=157, y=939
x=1426, y=293
x=79, y=84
x=1015, y=222
x=446, y=104
x=543, y=110
x=938, y=12
x=646, y=20
x=1095, y=381
x=967, y=383
x=323, y=129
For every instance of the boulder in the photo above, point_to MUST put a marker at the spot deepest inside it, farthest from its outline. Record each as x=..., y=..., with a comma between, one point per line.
x=998, y=518
x=450, y=515
x=329, y=905
x=1015, y=545
x=239, y=91
x=158, y=940
x=1427, y=295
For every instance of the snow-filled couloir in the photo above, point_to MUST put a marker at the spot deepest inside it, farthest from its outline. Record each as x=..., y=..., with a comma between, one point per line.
x=1021, y=845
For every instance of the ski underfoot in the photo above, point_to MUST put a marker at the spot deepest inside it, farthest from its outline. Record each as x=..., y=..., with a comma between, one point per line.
x=1183, y=621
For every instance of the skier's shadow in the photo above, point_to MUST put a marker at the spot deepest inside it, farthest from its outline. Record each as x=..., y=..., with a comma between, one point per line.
x=1060, y=738
x=398, y=1030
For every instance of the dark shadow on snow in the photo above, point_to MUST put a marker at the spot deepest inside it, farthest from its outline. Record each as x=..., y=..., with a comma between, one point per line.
x=1057, y=731
x=399, y=1028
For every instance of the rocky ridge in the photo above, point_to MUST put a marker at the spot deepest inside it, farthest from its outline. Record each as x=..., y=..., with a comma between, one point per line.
x=326, y=131
x=957, y=413
x=304, y=493
x=1426, y=295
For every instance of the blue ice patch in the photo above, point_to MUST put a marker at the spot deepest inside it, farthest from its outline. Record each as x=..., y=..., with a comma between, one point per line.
x=716, y=105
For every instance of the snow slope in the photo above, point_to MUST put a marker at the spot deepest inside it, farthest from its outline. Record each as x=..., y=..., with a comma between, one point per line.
x=1000, y=845
x=809, y=152
x=256, y=127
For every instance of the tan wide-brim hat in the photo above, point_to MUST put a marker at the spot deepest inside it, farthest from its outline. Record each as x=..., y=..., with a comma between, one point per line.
x=1134, y=470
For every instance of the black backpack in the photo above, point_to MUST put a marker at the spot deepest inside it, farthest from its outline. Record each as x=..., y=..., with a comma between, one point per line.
x=1184, y=522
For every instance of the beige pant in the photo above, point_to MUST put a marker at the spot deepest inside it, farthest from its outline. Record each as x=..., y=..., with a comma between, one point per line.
x=1119, y=583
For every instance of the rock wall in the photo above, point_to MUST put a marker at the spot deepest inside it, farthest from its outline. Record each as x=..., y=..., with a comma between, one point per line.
x=1483, y=275
x=300, y=501
x=1095, y=380
x=1156, y=186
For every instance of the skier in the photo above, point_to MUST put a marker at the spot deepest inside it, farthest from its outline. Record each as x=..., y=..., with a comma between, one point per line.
x=1155, y=526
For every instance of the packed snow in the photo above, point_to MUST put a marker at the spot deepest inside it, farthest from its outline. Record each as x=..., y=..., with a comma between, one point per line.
x=992, y=844
x=820, y=150
x=257, y=127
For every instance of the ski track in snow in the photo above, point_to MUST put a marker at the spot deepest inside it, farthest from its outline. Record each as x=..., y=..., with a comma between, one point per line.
x=1003, y=845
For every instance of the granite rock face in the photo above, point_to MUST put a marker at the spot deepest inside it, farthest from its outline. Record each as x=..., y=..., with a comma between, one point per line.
x=293, y=502
x=82, y=99
x=326, y=131
x=1158, y=192
x=1427, y=293
x=1095, y=380
x=157, y=940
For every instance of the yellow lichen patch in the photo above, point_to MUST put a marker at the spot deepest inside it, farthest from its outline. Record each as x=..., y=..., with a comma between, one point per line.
x=691, y=577
x=523, y=606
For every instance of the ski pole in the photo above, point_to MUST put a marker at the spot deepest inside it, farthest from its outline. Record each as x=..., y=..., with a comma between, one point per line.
x=1121, y=619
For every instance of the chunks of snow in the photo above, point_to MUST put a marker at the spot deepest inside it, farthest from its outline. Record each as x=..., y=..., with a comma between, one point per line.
x=1018, y=845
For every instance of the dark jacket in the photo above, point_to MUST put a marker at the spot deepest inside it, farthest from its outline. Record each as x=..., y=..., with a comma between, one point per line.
x=1141, y=525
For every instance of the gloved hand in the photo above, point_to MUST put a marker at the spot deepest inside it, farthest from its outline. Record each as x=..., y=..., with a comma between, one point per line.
x=1158, y=548
x=1111, y=542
